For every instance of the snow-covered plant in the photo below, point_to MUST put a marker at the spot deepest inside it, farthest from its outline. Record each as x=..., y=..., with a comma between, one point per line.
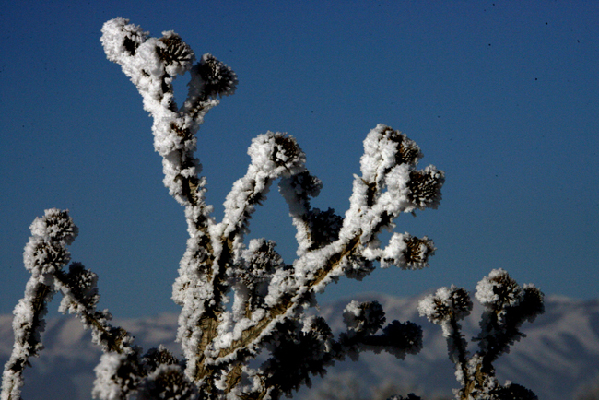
x=45, y=258
x=269, y=312
x=507, y=306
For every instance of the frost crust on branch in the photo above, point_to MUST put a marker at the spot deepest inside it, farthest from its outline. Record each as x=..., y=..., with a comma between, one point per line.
x=268, y=295
x=45, y=255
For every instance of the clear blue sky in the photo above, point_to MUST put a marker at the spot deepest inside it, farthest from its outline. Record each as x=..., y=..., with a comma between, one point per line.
x=502, y=96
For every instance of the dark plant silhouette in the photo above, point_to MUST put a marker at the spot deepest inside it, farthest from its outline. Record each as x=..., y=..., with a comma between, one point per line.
x=507, y=307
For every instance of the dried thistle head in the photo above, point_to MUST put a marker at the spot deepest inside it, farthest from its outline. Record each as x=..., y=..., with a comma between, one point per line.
x=425, y=187
x=445, y=305
x=418, y=251
x=408, y=151
x=44, y=257
x=173, y=51
x=498, y=290
x=55, y=225
x=219, y=79
x=288, y=151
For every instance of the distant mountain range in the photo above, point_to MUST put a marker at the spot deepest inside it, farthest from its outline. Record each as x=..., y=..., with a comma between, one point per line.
x=558, y=356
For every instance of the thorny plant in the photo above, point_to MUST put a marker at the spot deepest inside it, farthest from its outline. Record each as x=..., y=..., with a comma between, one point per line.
x=268, y=314
x=507, y=306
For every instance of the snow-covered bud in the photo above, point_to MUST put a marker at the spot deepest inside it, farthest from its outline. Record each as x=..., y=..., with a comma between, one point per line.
x=288, y=152
x=45, y=253
x=498, y=290
x=407, y=251
x=55, y=225
x=275, y=153
x=116, y=376
x=445, y=305
x=213, y=78
x=385, y=148
x=407, y=151
x=315, y=228
x=297, y=190
x=364, y=318
x=260, y=262
x=418, y=251
x=121, y=39
x=176, y=55
x=44, y=257
x=425, y=187
x=82, y=284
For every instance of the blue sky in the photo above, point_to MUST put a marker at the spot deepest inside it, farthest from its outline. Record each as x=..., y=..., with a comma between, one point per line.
x=502, y=96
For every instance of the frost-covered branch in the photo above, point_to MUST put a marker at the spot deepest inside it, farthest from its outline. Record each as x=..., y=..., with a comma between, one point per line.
x=507, y=307
x=45, y=257
x=268, y=315
x=269, y=296
x=45, y=254
x=122, y=369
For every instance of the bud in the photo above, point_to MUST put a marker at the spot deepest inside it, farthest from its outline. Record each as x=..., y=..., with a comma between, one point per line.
x=446, y=304
x=175, y=53
x=425, y=187
x=364, y=317
x=217, y=78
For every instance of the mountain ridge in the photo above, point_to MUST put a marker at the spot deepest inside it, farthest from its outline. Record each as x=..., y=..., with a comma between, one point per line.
x=559, y=354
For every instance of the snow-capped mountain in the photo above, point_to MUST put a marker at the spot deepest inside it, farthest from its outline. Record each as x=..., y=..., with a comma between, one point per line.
x=559, y=354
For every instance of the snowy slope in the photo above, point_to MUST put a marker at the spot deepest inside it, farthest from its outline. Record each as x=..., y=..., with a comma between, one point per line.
x=559, y=354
